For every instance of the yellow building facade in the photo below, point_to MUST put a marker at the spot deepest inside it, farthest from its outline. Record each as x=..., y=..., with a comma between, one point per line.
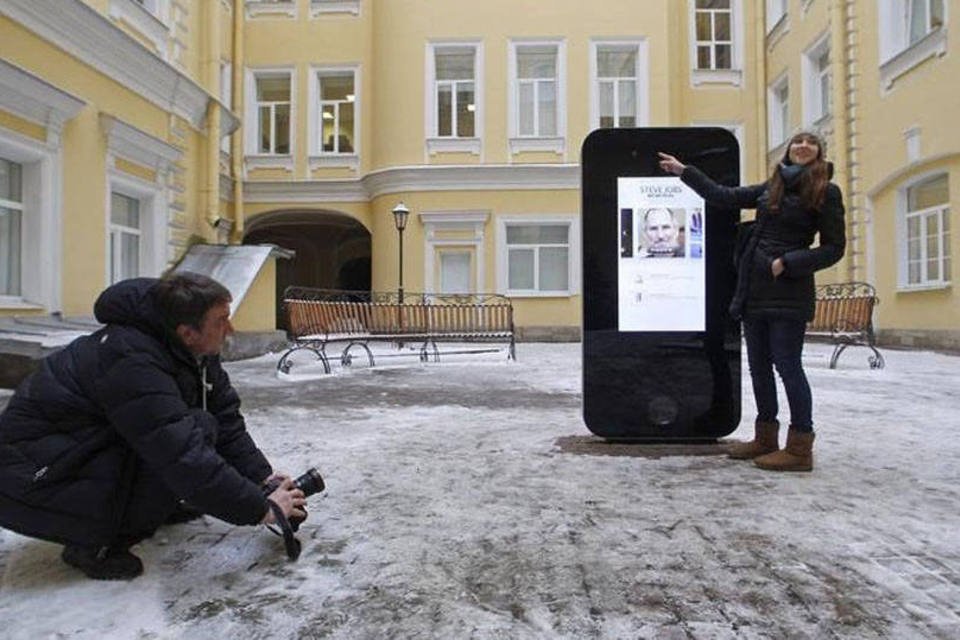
x=130, y=129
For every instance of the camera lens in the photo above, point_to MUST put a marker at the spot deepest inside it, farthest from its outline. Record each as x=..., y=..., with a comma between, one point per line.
x=310, y=482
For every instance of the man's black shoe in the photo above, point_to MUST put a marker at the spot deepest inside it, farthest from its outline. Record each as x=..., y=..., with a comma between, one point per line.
x=110, y=563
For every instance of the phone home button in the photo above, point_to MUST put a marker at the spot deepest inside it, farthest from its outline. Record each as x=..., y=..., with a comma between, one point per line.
x=662, y=410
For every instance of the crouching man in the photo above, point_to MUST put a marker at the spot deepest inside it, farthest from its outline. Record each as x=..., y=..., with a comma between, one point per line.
x=99, y=447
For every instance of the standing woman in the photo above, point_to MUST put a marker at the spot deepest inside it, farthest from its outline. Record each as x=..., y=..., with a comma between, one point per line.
x=775, y=287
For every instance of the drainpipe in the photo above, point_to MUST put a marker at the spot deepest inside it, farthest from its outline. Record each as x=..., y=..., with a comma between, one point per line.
x=846, y=134
x=760, y=62
x=212, y=77
x=236, y=144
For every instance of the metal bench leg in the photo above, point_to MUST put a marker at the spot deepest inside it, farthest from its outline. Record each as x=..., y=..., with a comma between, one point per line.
x=837, y=350
x=285, y=363
x=346, y=359
x=425, y=351
x=876, y=360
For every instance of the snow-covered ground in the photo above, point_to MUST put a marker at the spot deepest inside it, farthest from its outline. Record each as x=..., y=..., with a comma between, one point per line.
x=466, y=500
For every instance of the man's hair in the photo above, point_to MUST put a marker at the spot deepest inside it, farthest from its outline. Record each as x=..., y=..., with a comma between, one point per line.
x=185, y=297
x=646, y=214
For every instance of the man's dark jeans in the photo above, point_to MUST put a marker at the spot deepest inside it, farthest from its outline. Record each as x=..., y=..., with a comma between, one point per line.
x=778, y=342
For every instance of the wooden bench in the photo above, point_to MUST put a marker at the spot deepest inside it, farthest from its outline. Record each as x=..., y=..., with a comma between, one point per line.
x=318, y=317
x=844, y=315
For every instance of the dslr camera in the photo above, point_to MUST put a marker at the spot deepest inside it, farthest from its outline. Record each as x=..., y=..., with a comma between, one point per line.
x=310, y=482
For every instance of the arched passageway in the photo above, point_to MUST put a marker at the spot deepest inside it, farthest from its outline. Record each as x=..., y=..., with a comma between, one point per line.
x=332, y=250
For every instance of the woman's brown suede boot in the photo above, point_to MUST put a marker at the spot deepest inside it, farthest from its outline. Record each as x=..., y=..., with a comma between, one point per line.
x=796, y=456
x=764, y=441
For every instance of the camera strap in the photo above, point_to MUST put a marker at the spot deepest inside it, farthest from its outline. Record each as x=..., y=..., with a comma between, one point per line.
x=290, y=542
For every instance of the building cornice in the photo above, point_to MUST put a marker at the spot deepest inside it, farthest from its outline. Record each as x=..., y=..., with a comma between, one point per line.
x=141, y=148
x=527, y=177
x=523, y=177
x=35, y=100
x=93, y=39
x=304, y=191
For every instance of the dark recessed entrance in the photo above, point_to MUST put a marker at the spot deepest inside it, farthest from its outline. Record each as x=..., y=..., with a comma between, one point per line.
x=332, y=250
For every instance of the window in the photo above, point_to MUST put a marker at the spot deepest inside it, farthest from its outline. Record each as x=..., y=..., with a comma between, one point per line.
x=11, y=227
x=922, y=17
x=909, y=32
x=617, y=85
x=779, y=116
x=454, y=93
x=538, y=257
x=776, y=12
x=927, y=237
x=536, y=82
x=337, y=117
x=273, y=113
x=455, y=271
x=124, y=237
x=823, y=84
x=714, y=34
x=817, y=82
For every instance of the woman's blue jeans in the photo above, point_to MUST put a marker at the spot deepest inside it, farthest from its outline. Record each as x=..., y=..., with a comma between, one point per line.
x=778, y=342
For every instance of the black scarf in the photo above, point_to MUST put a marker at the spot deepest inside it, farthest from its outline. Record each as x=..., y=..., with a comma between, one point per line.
x=791, y=174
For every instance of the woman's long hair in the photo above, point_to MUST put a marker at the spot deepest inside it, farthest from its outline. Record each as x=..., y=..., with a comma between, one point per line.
x=813, y=181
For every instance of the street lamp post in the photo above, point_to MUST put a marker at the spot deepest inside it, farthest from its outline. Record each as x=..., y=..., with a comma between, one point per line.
x=400, y=213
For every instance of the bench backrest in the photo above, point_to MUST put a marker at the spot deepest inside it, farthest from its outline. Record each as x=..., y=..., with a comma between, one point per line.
x=323, y=318
x=844, y=308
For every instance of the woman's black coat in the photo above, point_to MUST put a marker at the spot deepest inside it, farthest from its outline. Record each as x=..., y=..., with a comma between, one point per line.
x=122, y=396
x=787, y=235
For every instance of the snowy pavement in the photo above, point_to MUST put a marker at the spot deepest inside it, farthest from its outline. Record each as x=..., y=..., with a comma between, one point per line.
x=465, y=500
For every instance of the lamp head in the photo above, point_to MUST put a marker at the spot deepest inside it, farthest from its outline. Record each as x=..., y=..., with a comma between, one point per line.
x=400, y=213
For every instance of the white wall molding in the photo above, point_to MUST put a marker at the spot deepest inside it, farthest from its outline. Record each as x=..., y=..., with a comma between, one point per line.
x=152, y=25
x=518, y=177
x=132, y=144
x=35, y=100
x=92, y=38
x=439, y=221
x=473, y=178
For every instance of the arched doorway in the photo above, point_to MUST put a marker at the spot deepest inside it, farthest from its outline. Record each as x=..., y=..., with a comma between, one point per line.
x=332, y=250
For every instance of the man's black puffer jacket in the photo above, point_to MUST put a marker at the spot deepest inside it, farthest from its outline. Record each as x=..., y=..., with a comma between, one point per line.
x=72, y=432
x=786, y=234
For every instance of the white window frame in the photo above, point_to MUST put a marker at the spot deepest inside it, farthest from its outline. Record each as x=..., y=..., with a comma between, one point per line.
x=523, y=143
x=776, y=14
x=154, y=232
x=41, y=222
x=470, y=229
x=897, y=54
x=778, y=113
x=573, y=254
x=733, y=75
x=319, y=157
x=941, y=210
x=255, y=159
x=115, y=235
x=813, y=76
x=16, y=205
x=453, y=143
x=641, y=80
